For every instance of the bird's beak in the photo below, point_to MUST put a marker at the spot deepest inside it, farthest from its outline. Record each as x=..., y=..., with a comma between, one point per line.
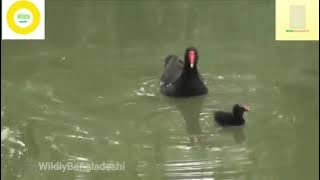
x=192, y=60
x=246, y=108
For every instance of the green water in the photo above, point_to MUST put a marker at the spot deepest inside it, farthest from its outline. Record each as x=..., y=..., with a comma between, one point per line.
x=90, y=93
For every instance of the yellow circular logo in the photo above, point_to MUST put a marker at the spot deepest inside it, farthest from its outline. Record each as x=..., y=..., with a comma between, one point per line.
x=23, y=23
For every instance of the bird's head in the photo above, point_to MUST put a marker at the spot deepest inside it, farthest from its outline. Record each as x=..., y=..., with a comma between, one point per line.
x=238, y=110
x=191, y=57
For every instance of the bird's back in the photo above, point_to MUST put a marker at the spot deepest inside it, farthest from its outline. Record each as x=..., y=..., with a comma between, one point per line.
x=223, y=118
x=172, y=70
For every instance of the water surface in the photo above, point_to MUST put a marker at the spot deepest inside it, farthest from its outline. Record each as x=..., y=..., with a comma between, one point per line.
x=90, y=93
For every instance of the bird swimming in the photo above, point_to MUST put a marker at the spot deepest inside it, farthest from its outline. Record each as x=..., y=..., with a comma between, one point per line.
x=182, y=78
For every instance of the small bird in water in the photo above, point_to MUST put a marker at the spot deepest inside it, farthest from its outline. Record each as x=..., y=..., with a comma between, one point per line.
x=234, y=118
x=182, y=78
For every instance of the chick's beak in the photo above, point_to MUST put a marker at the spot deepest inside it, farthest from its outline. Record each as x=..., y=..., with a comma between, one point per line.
x=246, y=108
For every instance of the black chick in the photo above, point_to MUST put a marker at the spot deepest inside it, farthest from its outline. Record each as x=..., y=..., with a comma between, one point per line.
x=234, y=118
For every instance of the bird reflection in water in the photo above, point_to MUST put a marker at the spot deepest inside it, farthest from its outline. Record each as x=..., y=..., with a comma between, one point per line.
x=190, y=109
x=197, y=163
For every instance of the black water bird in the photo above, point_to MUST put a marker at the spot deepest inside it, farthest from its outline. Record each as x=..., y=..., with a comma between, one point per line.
x=234, y=118
x=182, y=78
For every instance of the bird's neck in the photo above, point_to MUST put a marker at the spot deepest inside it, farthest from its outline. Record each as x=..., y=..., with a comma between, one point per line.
x=188, y=70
